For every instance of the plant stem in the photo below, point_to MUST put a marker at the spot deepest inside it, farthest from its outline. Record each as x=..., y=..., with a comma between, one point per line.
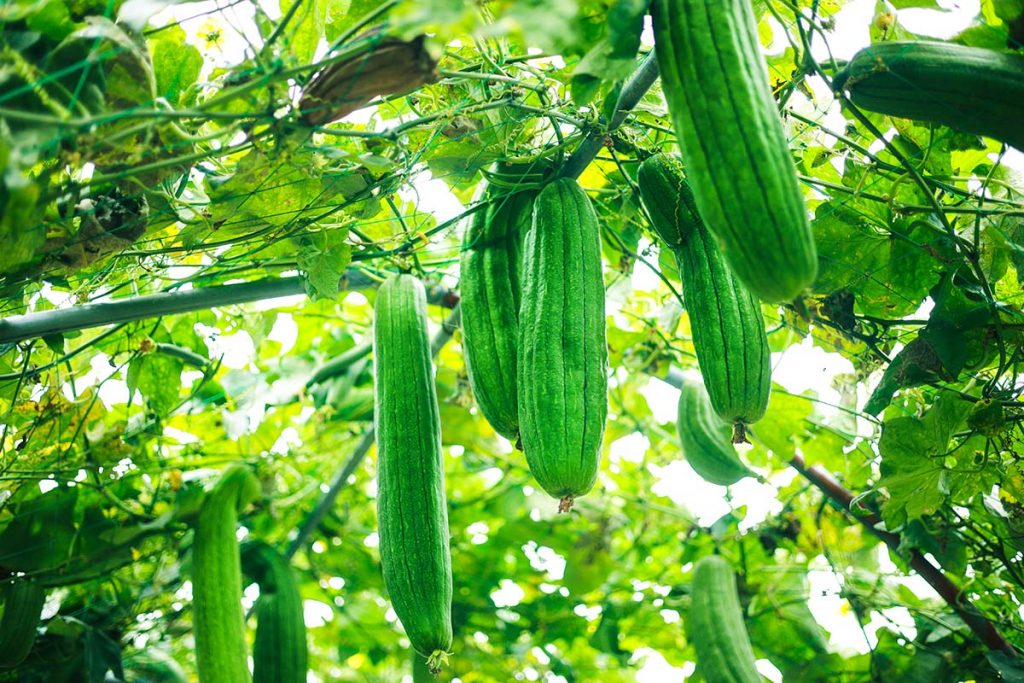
x=21, y=327
x=632, y=92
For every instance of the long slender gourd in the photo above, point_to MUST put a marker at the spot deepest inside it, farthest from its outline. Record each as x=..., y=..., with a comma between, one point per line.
x=489, y=286
x=411, y=508
x=969, y=88
x=23, y=607
x=728, y=329
x=715, y=625
x=563, y=353
x=705, y=438
x=217, y=617
x=728, y=126
x=279, y=651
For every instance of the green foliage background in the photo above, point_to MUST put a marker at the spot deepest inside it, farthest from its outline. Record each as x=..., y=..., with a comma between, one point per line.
x=109, y=435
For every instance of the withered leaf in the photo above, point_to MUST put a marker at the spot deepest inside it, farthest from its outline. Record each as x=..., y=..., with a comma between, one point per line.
x=390, y=67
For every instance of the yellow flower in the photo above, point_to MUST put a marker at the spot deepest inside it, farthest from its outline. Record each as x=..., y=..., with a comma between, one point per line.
x=210, y=34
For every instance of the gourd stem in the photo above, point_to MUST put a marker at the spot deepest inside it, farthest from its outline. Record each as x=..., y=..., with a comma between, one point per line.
x=739, y=433
x=632, y=92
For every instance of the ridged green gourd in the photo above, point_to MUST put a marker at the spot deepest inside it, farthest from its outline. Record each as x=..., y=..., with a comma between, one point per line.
x=969, y=88
x=489, y=287
x=563, y=353
x=218, y=621
x=705, y=438
x=23, y=607
x=744, y=180
x=279, y=651
x=715, y=625
x=411, y=509
x=728, y=329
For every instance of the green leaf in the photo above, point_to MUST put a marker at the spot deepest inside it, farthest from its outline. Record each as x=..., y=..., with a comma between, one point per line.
x=896, y=663
x=175, y=63
x=55, y=342
x=921, y=361
x=1008, y=10
x=158, y=378
x=1011, y=669
x=459, y=160
x=889, y=274
x=306, y=27
x=613, y=57
x=323, y=257
x=914, y=459
x=339, y=15
x=783, y=424
x=784, y=628
x=912, y=470
x=589, y=566
x=944, y=543
x=102, y=656
x=269, y=190
x=53, y=20
x=549, y=24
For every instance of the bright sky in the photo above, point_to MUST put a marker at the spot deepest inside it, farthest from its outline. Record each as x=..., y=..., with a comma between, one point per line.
x=800, y=368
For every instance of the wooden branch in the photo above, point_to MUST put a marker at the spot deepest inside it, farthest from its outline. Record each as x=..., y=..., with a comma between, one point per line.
x=842, y=498
x=984, y=629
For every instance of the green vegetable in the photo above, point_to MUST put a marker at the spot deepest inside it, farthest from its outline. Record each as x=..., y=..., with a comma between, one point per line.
x=704, y=437
x=217, y=579
x=735, y=149
x=728, y=329
x=563, y=356
x=489, y=287
x=715, y=625
x=411, y=509
x=279, y=651
x=23, y=607
x=969, y=88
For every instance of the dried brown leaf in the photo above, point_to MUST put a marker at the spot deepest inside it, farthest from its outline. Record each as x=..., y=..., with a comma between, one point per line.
x=390, y=67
